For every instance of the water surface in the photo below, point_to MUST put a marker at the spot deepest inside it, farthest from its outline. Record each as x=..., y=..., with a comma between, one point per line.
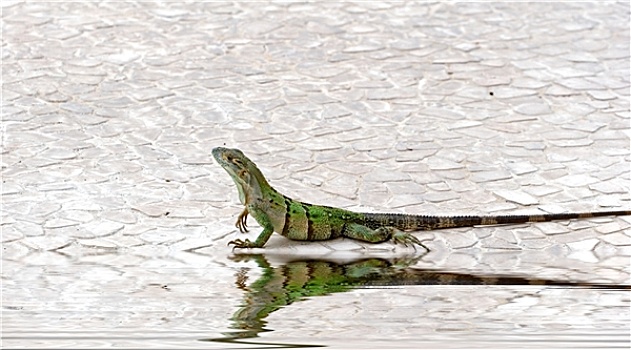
x=189, y=300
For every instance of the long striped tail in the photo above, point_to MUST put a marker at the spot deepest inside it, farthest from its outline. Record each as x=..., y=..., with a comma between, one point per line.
x=426, y=222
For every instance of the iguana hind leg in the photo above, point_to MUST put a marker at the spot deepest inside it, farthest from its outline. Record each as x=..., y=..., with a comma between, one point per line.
x=381, y=234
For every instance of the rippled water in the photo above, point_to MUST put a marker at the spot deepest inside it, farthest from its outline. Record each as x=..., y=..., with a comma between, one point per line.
x=194, y=301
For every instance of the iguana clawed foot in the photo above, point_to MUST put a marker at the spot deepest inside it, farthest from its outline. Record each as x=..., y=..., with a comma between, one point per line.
x=400, y=237
x=242, y=244
x=242, y=221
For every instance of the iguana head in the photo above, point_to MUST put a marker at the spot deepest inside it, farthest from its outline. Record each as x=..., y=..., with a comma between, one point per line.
x=248, y=178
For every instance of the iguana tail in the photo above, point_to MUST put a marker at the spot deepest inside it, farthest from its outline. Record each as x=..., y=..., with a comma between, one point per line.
x=425, y=222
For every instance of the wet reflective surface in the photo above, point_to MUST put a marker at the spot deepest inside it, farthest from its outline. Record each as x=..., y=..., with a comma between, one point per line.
x=194, y=300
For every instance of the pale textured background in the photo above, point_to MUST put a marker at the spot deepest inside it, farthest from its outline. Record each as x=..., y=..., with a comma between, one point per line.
x=110, y=110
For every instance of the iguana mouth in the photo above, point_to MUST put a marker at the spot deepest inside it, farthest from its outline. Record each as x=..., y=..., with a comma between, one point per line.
x=218, y=154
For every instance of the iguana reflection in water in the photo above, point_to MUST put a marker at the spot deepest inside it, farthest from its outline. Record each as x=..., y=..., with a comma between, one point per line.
x=293, y=281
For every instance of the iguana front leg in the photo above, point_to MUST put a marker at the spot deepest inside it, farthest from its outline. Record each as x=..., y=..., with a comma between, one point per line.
x=381, y=234
x=263, y=237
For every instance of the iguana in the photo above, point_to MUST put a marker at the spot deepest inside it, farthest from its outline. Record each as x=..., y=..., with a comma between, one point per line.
x=308, y=222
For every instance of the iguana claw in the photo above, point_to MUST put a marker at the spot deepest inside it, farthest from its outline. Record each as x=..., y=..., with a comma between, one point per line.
x=406, y=238
x=242, y=221
x=241, y=244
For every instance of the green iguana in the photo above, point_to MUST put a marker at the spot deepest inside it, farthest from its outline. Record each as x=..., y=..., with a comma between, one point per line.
x=308, y=222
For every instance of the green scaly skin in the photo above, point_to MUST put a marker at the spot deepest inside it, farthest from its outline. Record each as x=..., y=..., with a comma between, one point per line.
x=308, y=222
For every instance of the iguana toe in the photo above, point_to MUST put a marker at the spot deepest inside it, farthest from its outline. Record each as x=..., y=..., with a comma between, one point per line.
x=406, y=238
x=242, y=244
